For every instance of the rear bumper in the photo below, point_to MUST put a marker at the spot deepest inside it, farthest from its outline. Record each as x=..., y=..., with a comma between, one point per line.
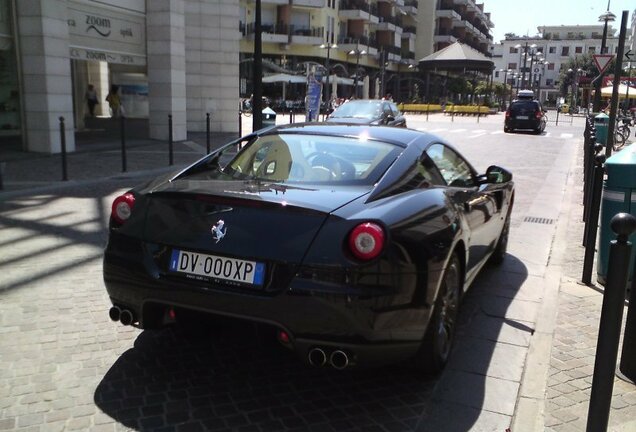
x=364, y=327
x=523, y=124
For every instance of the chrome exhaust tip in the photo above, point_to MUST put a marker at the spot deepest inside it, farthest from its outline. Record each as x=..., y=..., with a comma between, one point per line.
x=339, y=359
x=126, y=317
x=114, y=313
x=317, y=357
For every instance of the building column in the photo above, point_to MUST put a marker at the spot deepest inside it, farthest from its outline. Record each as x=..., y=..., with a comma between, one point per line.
x=46, y=74
x=165, y=32
x=212, y=64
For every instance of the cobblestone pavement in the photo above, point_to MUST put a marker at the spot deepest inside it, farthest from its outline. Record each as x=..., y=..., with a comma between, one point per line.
x=65, y=366
x=574, y=344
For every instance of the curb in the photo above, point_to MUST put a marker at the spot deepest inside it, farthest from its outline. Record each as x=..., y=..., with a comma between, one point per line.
x=529, y=413
x=61, y=185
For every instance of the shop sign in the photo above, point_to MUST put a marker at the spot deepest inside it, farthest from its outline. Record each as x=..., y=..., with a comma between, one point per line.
x=104, y=27
x=106, y=56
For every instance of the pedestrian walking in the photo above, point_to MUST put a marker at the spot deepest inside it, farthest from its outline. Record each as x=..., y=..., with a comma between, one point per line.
x=114, y=102
x=91, y=99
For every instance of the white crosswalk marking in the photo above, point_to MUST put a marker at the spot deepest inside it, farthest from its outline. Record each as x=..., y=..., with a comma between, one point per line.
x=566, y=135
x=458, y=130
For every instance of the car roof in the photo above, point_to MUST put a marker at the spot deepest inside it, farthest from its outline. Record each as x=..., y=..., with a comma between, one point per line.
x=399, y=136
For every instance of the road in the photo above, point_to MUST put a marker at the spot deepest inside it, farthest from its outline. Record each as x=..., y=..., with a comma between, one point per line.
x=65, y=366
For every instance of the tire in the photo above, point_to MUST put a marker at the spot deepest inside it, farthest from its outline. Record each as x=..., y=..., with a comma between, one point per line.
x=506, y=130
x=440, y=333
x=499, y=254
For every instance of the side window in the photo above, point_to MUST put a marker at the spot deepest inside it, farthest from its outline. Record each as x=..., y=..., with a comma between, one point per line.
x=453, y=168
x=395, y=109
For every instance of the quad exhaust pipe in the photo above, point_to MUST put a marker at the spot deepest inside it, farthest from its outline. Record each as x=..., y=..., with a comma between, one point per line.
x=124, y=316
x=338, y=359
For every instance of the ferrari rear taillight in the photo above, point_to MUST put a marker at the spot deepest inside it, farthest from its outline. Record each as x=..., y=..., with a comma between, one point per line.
x=507, y=114
x=122, y=207
x=366, y=241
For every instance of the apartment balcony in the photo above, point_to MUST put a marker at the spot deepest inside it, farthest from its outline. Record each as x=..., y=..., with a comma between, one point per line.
x=274, y=33
x=309, y=3
x=307, y=36
x=358, y=10
x=352, y=43
x=410, y=7
x=448, y=14
x=447, y=39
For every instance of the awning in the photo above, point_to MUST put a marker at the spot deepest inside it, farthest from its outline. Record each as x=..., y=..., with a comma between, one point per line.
x=622, y=91
x=285, y=78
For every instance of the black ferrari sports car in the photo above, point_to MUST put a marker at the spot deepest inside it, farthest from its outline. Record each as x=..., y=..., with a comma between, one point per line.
x=356, y=243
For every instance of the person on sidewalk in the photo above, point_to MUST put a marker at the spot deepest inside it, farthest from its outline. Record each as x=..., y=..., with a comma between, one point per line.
x=114, y=102
x=91, y=99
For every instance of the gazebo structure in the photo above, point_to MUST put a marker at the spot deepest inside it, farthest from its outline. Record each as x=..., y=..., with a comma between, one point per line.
x=456, y=59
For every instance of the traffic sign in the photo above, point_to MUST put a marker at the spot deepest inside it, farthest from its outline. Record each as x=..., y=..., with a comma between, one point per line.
x=629, y=56
x=602, y=61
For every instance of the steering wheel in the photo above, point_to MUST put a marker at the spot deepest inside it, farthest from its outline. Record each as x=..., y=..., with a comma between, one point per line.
x=321, y=161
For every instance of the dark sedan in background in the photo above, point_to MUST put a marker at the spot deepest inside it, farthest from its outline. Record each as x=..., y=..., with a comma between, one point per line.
x=368, y=112
x=355, y=243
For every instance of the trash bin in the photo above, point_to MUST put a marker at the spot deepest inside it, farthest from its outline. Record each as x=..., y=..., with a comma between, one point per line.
x=619, y=195
x=601, y=124
x=269, y=117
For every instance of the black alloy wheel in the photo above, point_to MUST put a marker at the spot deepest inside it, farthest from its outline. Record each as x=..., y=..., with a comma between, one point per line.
x=440, y=334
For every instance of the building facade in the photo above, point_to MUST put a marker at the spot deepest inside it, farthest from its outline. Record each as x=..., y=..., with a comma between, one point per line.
x=375, y=44
x=165, y=57
x=537, y=62
x=186, y=58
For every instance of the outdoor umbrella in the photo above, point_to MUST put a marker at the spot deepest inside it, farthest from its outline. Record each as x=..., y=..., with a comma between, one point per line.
x=622, y=91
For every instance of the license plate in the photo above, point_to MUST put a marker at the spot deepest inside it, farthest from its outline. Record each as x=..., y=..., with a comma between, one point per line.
x=522, y=117
x=217, y=267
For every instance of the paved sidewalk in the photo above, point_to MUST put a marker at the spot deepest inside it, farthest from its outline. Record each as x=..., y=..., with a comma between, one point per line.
x=575, y=338
x=555, y=391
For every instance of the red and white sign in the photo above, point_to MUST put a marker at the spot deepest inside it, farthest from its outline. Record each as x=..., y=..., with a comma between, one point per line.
x=602, y=61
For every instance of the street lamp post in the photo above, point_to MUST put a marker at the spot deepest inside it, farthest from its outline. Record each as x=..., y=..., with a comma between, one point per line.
x=357, y=52
x=525, y=59
x=505, y=83
x=538, y=55
x=518, y=47
x=515, y=77
x=606, y=17
x=328, y=46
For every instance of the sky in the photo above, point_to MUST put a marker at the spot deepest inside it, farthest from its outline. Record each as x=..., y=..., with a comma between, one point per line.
x=521, y=18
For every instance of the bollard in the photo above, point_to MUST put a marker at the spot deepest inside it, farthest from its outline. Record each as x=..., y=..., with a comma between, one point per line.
x=63, y=144
x=591, y=227
x=623, y=224
x=207, y=132
x=478, y=113
x=240, y=124
x=588, y=168
x=122, y=134
x=427, y=106
x=628, y=354
x=170, y=150
x=589, y=186
x=291, y=119
x=557, y=118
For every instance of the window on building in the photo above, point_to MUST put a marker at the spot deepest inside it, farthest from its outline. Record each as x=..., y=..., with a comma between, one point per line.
x=549, y=82
x=513, y=50
x=552, y=50
x=512, y=66
x=578, y=50
x=565, y=51
x=591, y=50
x=496, y=74
x=551, y=66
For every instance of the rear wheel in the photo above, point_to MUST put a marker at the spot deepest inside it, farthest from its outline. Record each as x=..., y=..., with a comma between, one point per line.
x=438, y=340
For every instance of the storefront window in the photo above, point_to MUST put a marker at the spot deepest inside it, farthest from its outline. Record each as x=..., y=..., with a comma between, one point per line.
x=9, y=86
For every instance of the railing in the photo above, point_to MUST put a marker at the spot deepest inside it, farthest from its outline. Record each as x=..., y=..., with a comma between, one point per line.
x=409, y=29
x=279, y=28
x=307, y=31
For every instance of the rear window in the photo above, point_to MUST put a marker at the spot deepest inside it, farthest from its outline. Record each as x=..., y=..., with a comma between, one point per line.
x=524, y=106
x=298, y=158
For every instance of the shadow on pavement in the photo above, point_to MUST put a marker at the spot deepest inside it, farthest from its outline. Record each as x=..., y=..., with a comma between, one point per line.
x=233, y=375
x=478, y=389
x=238, y=376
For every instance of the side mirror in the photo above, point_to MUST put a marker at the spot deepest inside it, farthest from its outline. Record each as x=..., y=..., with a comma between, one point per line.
x=497, y=175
